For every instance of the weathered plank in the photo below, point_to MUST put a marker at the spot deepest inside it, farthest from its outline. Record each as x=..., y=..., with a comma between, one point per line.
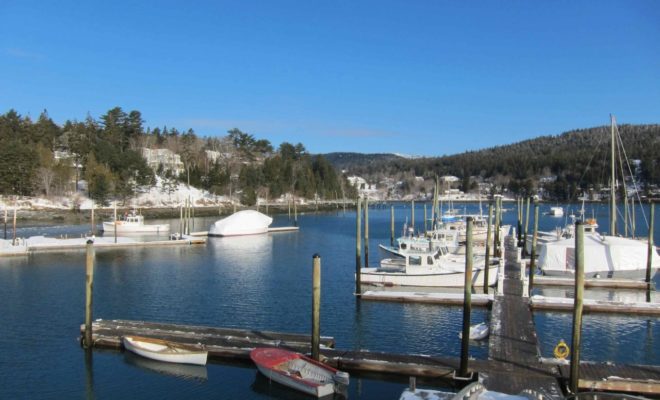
x=617, y=377
x=483, y=300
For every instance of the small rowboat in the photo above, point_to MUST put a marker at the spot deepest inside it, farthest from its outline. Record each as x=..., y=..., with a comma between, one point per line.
x=477, y=332
x=298, y=371
x=163, y=350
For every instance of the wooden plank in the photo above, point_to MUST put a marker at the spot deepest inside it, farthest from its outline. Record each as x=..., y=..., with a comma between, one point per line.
x=617, y=377
x=594, y=306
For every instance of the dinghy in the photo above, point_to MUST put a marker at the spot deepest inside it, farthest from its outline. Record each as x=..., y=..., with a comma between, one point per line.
x=298, y=371
x=164, y=350
x=477, y=332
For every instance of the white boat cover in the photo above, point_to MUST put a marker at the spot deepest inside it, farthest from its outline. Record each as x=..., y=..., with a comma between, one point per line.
x=246, y=222
x=601, y=253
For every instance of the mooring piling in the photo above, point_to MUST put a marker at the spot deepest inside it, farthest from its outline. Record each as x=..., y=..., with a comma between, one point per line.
x=649, y=255
x=358, y=246
x=467, y=304
x=578, y=304
x=488, y=237
x=366, y=232
x=89, y=287
x=392, y=226
x=532, y=260
x=316, y=306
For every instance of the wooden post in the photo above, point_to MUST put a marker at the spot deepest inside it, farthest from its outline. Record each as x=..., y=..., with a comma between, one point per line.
x=89, y=287
x=532, y=261
x=488, y=237
x=526, y=227
x=649, y=255
x=519, y=202
x=93, y=227
x=358, y=247
x=115, y=224
x=192, y=214
x=13, y=241
x=577, y=305
x=412, y=215
x=496, y=244
x=392, y=226
x=288, y=202
x=295, y=213
x=426, y=228
x=467, y=301
x=5, y=222
x=366, y=232
x=316, y=306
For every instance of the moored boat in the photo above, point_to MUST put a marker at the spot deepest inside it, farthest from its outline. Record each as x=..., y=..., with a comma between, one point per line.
x=165, y=350
x=133, y=223
x=477, y=332
x=298, y=372
x=246, y=222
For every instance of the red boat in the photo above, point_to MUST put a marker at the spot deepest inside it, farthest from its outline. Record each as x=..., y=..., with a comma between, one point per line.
x=298, y=371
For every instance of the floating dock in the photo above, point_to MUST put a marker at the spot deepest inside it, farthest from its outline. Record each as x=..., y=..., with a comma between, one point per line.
x=270, y=230
x=483, y=300
x=40, y=244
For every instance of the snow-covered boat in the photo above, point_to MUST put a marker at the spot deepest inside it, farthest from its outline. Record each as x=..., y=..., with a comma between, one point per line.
x=477, y=332
x=427, y=268
x=246, y=222
x=604, y=257
x=133, y=223
x=298, y=371
x=164, y=350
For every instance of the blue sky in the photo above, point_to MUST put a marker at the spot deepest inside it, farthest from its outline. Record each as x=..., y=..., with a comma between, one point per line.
x=413, y=77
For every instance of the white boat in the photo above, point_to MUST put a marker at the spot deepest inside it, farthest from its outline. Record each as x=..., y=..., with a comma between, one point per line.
x=427, y=268
x=164, y=350
x=298, y=371
x=604, y=257
x=556, y=211
x=133, y=223
x=473, y=391
x=246, y=222
x=477, y=332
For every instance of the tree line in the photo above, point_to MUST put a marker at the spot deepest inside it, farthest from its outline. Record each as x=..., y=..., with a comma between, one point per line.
x=43, y=158
x=564, y=166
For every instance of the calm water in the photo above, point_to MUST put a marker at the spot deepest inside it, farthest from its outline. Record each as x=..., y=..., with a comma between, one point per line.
x=259, y=282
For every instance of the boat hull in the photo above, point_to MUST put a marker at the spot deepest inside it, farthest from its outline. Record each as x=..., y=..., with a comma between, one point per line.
x=161, y=350
x=109, y=227
x=282, y=379
x=375, y=276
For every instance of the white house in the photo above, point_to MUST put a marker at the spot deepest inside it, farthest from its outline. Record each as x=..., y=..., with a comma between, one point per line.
x=169, y=159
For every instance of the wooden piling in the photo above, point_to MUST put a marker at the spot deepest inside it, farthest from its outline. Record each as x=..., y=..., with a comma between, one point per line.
x=115, y=224
x=496, y=246
x=526, y=227
x=89, y=287
x=532, y=261
x=412, y=215
x=467, y=304
x=5, y=222
x=181, y=219
x=13, y=241
x=519, y=233
x=649, y=255
x=392, y=226
x=93, y=226
x=295, y=213
x=316, y=306
x=488, y=236
x=358, y=247
x=577, y=307
x=366, y=232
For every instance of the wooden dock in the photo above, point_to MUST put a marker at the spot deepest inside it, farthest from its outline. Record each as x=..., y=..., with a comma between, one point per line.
x=594, y=306
x=270, y=230
x=483, y=300
x=591, y=283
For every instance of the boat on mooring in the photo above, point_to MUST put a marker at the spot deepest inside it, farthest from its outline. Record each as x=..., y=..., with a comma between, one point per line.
x=246, y=222
x=427, y=268
x=133, y=223
x=299, y=372
x=165, y=350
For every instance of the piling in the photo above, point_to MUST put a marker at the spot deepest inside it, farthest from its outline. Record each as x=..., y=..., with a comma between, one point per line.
x=412, y=215
x=366, y=232
x=578, y=303
x=532, y=261
x=467, y=302
x=392, y=226
x=89, y=286
x=181, y=219
x=496, y=246
x=13, y=241
x=358, y=246
x=5, y=222
x=316, y=306
x=115, y=224
x=93, y=227
x=526, y=227
x=519, y=204
x=425, y=222
x=488, y=236
x=649, y=255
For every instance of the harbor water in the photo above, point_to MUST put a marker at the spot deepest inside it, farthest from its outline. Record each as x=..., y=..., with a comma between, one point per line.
x=256, y=282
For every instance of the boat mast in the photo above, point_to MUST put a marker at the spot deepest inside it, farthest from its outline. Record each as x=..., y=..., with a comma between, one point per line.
x=612, y=190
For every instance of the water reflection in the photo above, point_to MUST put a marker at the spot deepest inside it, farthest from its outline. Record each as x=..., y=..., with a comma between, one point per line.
x=184, y=371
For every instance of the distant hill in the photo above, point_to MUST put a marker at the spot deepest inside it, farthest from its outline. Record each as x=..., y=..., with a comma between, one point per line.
x=578, y=159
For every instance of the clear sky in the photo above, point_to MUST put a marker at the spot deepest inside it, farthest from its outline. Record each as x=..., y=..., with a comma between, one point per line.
x=413, y=77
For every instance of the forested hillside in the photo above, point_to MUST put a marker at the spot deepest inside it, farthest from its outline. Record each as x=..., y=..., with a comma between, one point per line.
x=43, y=158
x=570, y=163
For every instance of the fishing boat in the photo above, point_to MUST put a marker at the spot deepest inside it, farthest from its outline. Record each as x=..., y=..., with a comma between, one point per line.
x=165, y=350
x=299, y=372
x=427, y=268
x=133, y=222
x=246, y=222
x=477, y=332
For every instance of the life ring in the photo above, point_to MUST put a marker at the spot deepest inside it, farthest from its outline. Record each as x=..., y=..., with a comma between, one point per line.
x=561, y=350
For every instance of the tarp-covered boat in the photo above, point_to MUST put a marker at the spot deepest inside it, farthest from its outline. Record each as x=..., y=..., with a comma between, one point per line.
x=246, y=222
